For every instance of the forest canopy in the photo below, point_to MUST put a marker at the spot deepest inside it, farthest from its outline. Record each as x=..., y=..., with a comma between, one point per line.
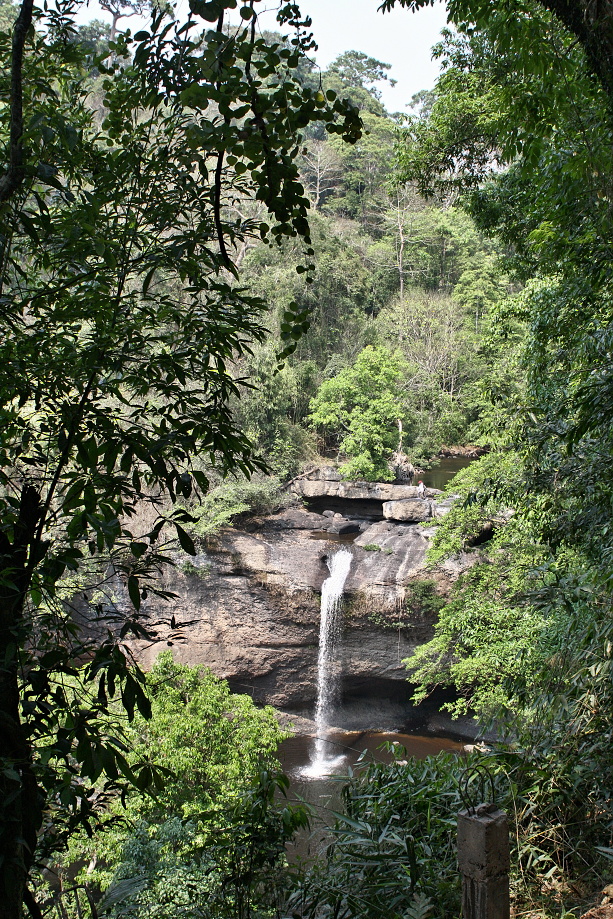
x=216, y=261
x=120, y=228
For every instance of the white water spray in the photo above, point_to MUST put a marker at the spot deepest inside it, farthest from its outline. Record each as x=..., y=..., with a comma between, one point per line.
x=328, y=682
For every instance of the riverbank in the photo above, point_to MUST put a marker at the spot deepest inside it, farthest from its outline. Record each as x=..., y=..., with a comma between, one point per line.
x=428, y=722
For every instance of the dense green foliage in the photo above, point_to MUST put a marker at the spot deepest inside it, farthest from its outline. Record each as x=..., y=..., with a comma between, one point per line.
x=394, y=276
x=453, y=285
x=121, y=317
x=543, y=496
x=392, y=852
x=226, y=503
x=363, y=402
x=210, y=840
x=520, y=131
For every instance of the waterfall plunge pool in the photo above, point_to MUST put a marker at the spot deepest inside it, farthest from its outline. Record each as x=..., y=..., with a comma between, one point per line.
x=344, y=749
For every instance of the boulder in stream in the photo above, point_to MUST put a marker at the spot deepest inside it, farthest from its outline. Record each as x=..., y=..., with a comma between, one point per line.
x=409, y=510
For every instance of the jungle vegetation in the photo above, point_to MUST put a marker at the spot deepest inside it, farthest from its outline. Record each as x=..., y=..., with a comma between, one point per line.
x=217, y=261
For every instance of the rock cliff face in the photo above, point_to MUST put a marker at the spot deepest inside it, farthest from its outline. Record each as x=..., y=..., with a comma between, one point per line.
x=248, y=606
x=324, y=489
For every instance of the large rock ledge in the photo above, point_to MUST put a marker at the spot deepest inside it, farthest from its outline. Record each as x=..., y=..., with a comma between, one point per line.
x=354, y=491
x=248, y=606
x=324, y=491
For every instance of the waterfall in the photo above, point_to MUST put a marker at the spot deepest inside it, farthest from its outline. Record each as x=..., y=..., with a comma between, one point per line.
x=328, y=682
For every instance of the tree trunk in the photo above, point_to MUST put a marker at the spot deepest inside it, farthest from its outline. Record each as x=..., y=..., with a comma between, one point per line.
x=12, y=179
x=21, y=801
x=591, y=21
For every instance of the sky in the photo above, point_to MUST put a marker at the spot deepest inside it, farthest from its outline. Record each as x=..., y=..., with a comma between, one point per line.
x=400, y=38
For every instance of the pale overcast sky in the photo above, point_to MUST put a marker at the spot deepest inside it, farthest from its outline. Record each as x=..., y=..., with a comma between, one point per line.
x=399, y=38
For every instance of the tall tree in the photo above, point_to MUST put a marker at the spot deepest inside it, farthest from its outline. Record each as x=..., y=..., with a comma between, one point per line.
x=122, y=9
x=359, y=410
x=357, y=69
x=357, y=76
x=120, y=314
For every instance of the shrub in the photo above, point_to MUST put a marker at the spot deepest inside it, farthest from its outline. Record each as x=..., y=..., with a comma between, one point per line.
x=222, y=505
x=211, y=840
x=392, y=853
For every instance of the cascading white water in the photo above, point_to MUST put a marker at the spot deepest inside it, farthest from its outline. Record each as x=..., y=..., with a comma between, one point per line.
x=327, y=663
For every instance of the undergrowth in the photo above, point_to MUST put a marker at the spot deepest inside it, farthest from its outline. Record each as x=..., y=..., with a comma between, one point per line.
x=228, y=502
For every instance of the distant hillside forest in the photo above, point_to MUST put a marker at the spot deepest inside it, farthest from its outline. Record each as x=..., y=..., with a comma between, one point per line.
x=400, y=308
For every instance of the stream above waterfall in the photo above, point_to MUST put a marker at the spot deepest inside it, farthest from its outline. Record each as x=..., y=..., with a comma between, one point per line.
x=438, y=476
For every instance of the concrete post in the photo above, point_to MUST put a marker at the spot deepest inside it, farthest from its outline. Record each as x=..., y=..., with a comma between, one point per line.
x=483, y=859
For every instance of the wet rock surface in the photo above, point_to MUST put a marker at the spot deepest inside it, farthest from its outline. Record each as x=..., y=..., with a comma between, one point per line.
x=248, y=606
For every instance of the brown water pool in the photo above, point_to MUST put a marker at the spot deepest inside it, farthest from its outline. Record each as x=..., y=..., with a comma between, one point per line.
x=345, y=750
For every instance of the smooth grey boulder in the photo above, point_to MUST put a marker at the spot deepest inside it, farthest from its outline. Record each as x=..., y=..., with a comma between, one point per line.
x=410, y=510
x=352, y=491
x=329, y=473
x=443, y=507
x=344, y=527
